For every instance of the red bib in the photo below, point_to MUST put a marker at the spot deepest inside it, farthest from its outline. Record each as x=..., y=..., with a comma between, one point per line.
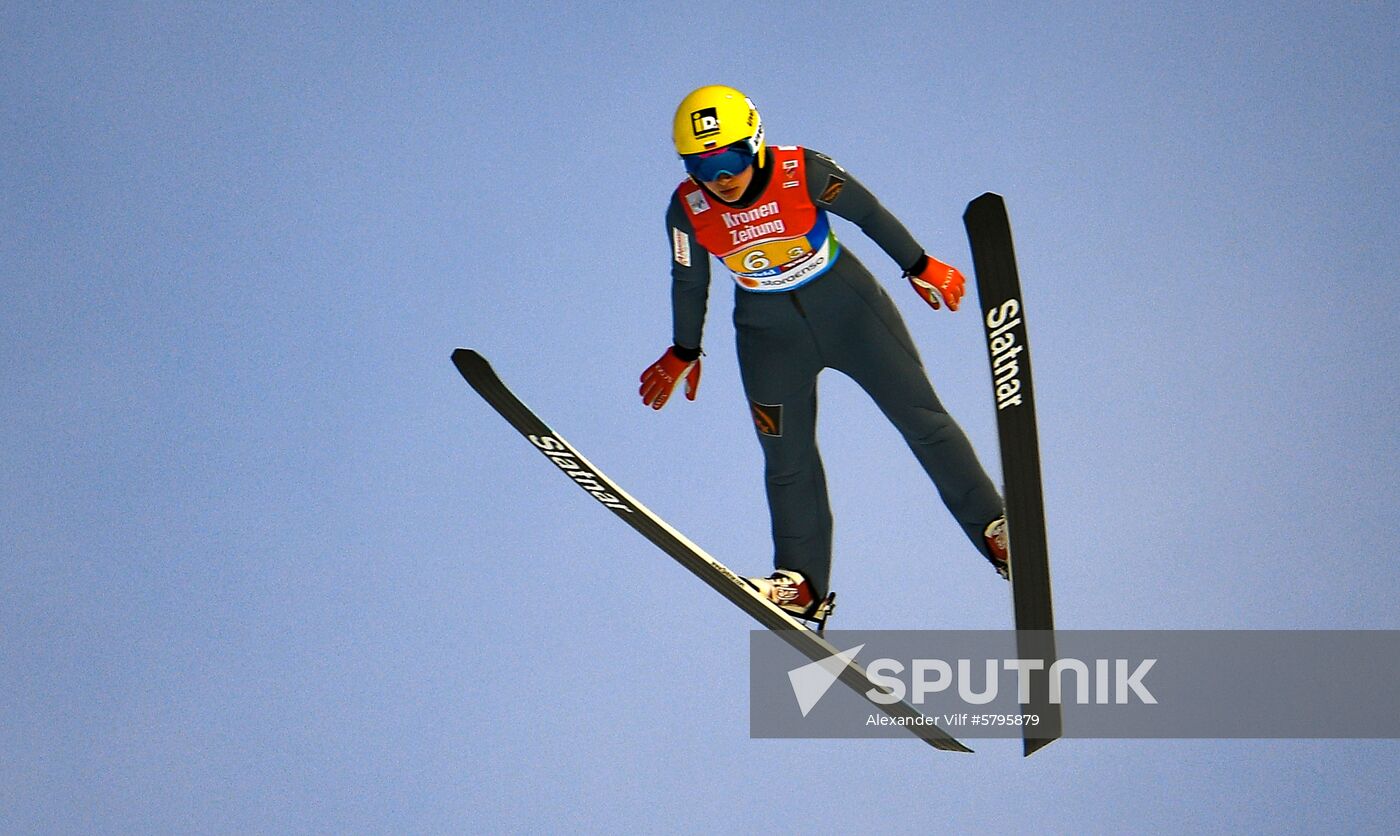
x=779, y=242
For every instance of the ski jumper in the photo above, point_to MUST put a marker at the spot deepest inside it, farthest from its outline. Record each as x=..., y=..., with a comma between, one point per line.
x=803, y=303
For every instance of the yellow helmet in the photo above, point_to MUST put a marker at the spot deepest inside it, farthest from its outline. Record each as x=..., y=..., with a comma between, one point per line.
x=716, y=117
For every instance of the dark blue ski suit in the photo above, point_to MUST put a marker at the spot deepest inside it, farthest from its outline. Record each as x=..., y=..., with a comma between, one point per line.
x=832, y=315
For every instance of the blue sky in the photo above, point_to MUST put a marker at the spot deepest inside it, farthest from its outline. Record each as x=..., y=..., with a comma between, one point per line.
x=269, y=565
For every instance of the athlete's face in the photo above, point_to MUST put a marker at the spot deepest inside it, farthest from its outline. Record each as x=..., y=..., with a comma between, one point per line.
x=731, y=188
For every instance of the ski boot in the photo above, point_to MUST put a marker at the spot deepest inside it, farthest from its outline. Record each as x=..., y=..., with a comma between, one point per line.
x=999, y=552
x=791, y=592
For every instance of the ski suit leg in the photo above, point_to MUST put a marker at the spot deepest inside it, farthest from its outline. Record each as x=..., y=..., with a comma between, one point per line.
x=877, y=352
x=779, y=362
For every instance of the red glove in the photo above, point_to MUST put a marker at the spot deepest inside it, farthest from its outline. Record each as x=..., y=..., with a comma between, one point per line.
x=664, y=376
x=938, y=284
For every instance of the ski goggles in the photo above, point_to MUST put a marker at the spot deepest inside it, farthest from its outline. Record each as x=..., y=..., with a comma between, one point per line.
x=709, y=166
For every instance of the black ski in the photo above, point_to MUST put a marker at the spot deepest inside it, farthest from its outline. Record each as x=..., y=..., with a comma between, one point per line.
x=485, y=381
x=1008, y=351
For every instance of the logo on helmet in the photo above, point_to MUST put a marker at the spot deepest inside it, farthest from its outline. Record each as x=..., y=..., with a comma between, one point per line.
x=704, y=122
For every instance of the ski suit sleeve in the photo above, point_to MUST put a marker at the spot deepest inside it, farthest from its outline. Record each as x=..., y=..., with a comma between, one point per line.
x=834, y=189
x=690, y=278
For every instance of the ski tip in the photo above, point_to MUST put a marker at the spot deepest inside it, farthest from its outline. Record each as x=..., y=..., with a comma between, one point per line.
x=985, y=201
x=467, y=356
x=1035, y=744
x=469, y=362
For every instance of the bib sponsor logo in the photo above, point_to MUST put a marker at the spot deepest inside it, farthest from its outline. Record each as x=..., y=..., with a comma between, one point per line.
x=743, y=227
x=697, y=202
x=733, y=219
x=751, y=233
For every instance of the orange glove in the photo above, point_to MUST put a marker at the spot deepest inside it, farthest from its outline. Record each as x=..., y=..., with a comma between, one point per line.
x=938, y=284
x=664, y=376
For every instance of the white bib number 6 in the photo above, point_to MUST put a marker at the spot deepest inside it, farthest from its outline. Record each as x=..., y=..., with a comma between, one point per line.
x=755, y=261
